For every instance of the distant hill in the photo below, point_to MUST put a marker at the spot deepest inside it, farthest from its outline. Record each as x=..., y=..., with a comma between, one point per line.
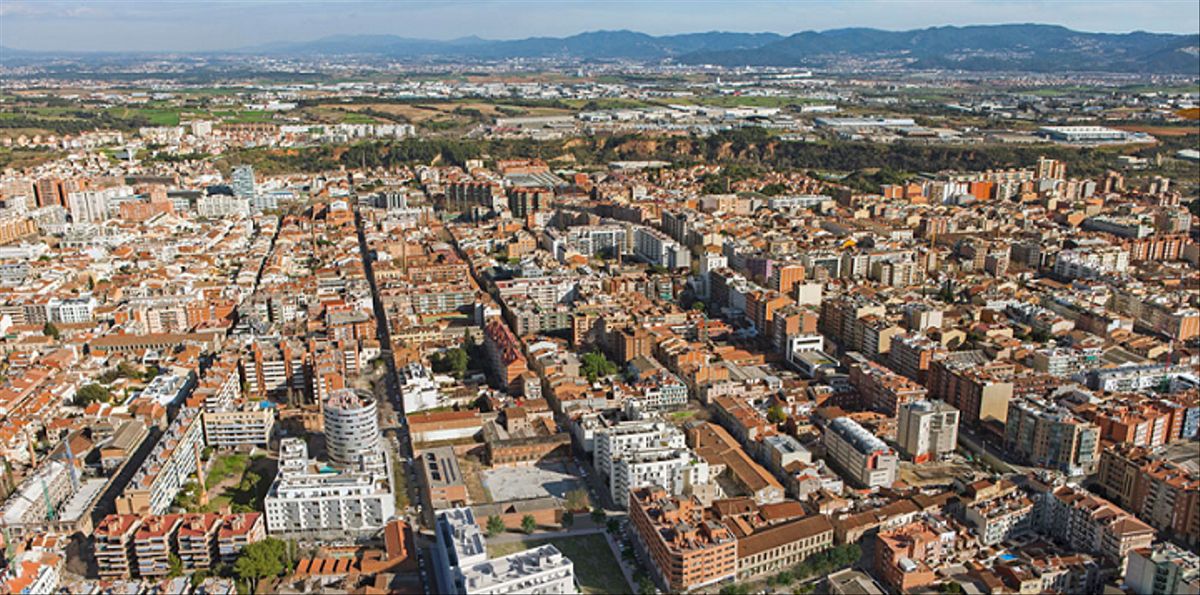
x=983, y=48
x=594, y=45
x=1033, y=48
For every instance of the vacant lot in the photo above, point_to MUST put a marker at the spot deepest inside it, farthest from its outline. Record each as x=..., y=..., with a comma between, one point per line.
x=595, y=568
x=520, y=483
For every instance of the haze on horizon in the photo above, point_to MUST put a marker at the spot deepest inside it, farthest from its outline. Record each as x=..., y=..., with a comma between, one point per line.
x=213, y=25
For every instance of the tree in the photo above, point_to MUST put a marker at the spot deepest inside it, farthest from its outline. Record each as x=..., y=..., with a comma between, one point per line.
x=453, y=361
x=951, y=588
x=528, y=524
x=495, y=525
x=613, y=526
x=91, y=393
x=568, y=519
x=646, y=586
x=596, y=365
x=198, y=577
x=261, y=559
x=174, y=566
x=776, y=415
x=598, y=515
x=51, y=331
x=577, y=499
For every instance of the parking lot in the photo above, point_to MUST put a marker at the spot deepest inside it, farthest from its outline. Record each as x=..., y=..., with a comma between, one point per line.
x=520, y=483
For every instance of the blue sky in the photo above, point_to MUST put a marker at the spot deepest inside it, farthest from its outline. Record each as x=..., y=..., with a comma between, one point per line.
x=186, y=25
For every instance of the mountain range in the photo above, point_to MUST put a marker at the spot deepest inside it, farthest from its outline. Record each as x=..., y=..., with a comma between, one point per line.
x=979, y=48
x=1018, y=47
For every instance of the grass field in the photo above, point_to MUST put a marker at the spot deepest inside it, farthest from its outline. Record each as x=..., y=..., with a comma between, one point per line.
x=595, y=567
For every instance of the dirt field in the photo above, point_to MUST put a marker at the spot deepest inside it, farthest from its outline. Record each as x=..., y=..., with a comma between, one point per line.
x=1162, y=130
x=423, y=112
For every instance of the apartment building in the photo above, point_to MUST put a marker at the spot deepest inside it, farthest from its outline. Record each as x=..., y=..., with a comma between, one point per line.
x=861, y=457
x=113, y=545
x=981, y=393
x=1003, y=515
x=883, y=390
x=686, y=549
x=656, y=248
x=1091, y=524
x=154, y=542
x=461, y=565
x=615, y=442
x=196, y=540
x=352, y=429
x=236, y=532
x=1159, y=485
x=504, y=352
x=906, y=556
x=311, y=499
x=1164, y=569
x=253, y=424
x=674, y=469
x=927, y=430
x=163, y=473
x=1047, y=435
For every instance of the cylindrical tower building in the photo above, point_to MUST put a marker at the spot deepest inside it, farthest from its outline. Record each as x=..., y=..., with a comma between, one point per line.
x=351, y=427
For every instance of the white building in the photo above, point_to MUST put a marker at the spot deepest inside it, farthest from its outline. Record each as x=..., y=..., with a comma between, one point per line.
x=251, y=425
x=461, y=565
x=1091, y=264
x=615, y=442
x=418, y=389
x=674, y=469
x=352, y=428
x=656, y=248
x=860, y=455
x=72, y=310
x=216, y=206
x=88, y=206
x=927, y=429
x=316, y=500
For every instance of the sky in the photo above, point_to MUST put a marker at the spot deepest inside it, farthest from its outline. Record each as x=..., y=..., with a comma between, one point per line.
x=203, y=25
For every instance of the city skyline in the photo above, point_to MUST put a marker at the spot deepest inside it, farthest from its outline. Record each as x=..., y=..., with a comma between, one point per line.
x=136, y=26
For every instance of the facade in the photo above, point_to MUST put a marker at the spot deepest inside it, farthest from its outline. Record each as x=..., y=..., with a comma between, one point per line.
x=1159, y=485
x=657, y=249
x=782, y=546
x=685, y=548
x=927, y=430
x=128, y=545
x=864, y=459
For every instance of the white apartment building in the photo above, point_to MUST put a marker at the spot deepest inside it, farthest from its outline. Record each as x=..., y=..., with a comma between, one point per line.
x=617, y=441
x=461, y=565
x=674, y=469
x=927, y=429
x=352, y=428
x=310, y=499
x=862, y=458
x=72, y=310
x=167, y=468
x=216, y=206
x=1091, y=264
x=418, y=389
x=655, y=247
x=251, y=425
